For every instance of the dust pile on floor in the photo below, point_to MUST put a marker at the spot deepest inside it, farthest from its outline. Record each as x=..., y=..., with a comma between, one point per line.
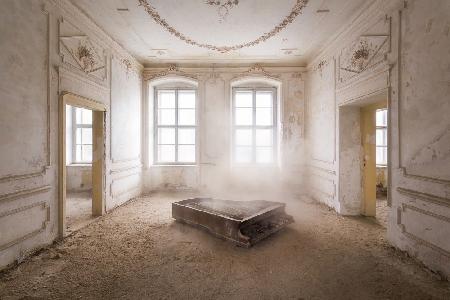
x=138, y=251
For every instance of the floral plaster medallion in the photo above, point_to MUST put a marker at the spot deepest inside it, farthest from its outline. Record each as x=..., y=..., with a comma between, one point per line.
x=223, y=7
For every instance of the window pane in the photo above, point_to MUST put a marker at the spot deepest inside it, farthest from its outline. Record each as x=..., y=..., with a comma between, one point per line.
x=381, y=116
x=264, y=137
x=244, y=99
x=381, y=156
x=166, y=116
x=86, y=116
x=264, y=116
x=78, y=114
x=264, y=99
x=186, y=153
x=244, y=116
x=243, y=137
x=78, y=153
x=166, y=136
x=243, y=154
x=186, y=136
x=166, y=153
x=264, y=155
x=381, y=138
x=166, y=99
x=78, y=136
x=186, y=116
x=86, y=135
x=186, y=99
x=86, y=153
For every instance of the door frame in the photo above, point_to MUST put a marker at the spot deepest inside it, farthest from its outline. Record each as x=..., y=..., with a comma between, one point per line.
x=354, y=193
x=98, y=155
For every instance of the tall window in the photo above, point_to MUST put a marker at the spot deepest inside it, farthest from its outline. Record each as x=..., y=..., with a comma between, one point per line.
x=381, y=137
x=254, y=130
x=82, y=133
x=175, y=126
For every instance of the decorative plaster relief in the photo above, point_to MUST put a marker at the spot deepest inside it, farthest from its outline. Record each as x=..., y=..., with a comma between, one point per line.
x=171, y=70
x=257, y=70
x=78, y=51
x=154, y=14
x=223, y=7
x=367, y=51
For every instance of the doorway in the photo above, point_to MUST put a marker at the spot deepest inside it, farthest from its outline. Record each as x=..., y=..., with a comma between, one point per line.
x=82, y=162
x=363, y=157
x=374, y=137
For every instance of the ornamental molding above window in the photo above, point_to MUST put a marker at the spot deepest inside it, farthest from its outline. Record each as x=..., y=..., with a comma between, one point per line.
x=171, y=70
x=296, y=10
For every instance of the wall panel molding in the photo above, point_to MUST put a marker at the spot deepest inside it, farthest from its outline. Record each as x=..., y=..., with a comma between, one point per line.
x=335, y=106
x=32, y=233
x=403, y=209
x=125, y=191
x=401, y=166
x=24, y=193
x=44, y=168
x=127, y=168
x=424, y=197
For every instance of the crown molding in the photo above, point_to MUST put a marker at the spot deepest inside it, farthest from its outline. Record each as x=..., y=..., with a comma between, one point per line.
x=230, y=70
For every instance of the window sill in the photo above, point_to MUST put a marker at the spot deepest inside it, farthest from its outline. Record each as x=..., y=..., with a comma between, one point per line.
x=255, y=166
x=80, y=165
x=382, y=166
x=172, y=166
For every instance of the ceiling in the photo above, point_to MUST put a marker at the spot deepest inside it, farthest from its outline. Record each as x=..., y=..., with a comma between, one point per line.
x=136, y=30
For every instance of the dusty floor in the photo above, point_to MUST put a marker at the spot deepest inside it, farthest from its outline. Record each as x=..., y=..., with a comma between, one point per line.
x=139, y=252
x=78, y=210
x=382, y=211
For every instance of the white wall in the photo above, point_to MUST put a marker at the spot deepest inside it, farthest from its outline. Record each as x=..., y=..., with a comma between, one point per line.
x=78, y=178
x=214, y=171
x=39, y=40
x=409, y=42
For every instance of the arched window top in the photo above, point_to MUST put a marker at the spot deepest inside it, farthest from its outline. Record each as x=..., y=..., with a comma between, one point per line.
x=174, y=81
x=256, y=81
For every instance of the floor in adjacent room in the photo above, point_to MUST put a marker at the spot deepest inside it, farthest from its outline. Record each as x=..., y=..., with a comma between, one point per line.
x=78, y=210
x=138, y=251
x=382, y=210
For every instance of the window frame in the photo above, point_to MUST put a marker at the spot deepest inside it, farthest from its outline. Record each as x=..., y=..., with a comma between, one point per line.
x=156, y=127
x=75, y=126
x=385, y=129
x=254, y=127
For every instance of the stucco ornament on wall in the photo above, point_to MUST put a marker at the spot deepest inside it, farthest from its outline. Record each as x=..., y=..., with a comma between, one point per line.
x=154, y=14
x=223, y=7
x=80, y=52
x=86, y=57
x=171, y=70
